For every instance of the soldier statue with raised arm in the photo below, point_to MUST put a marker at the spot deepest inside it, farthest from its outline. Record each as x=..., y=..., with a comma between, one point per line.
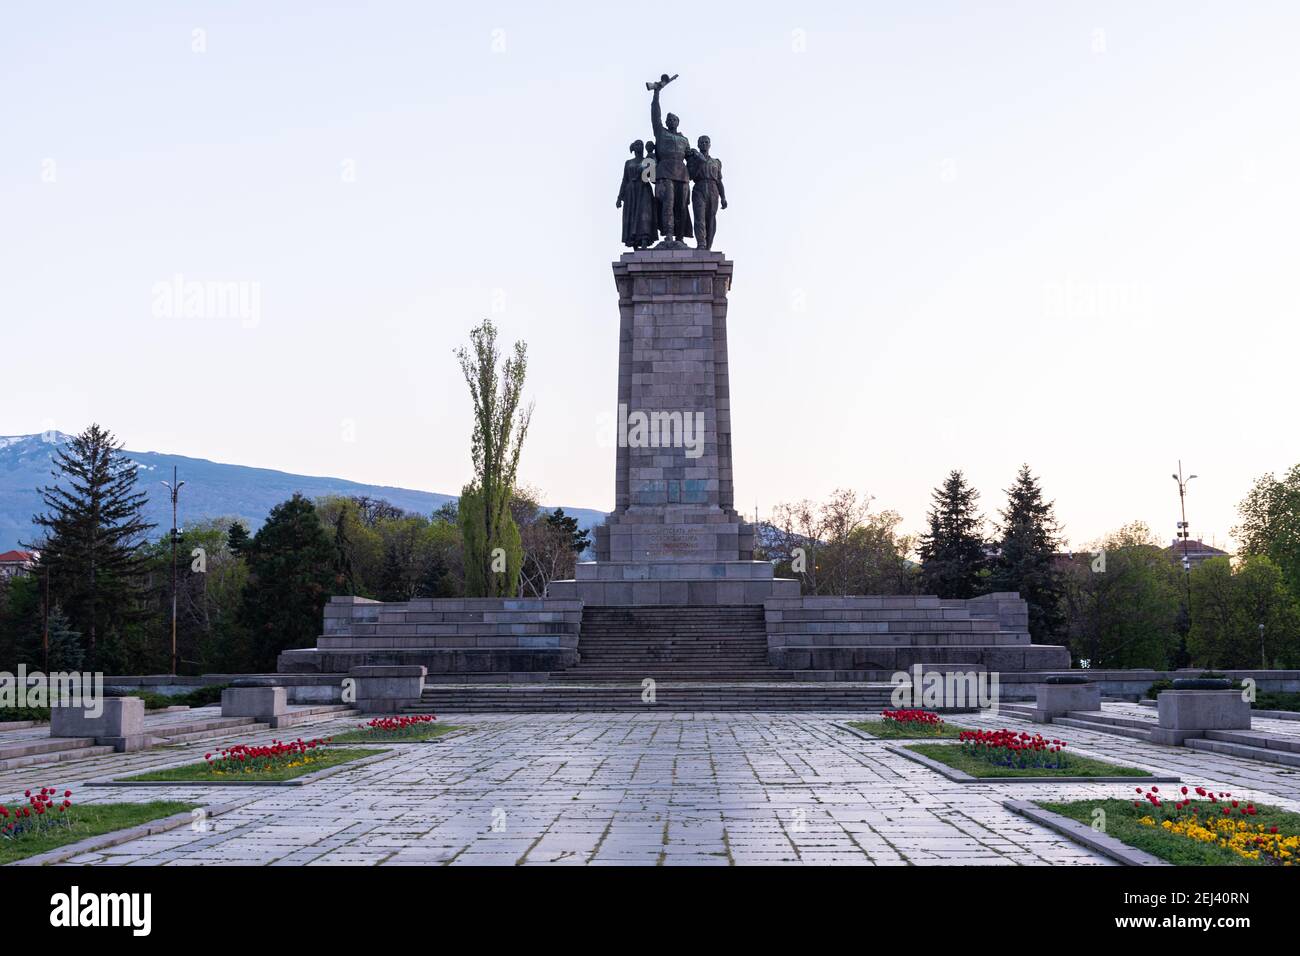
x=672, y=181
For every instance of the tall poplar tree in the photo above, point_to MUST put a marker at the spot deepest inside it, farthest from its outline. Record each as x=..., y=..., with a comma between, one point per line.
x=493, y=554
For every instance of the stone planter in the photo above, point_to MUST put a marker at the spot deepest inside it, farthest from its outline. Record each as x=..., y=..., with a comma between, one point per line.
x=1190, y=713
x=1058, y=699
x=386, y=690
x=262, y=703
x=120, y=723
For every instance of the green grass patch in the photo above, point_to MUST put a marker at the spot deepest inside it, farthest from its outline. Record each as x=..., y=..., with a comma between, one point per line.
x=959, y=759
x=201, y=773
x=891, y=730
x=1122, y=824
x=414, y=734
x=89, y=820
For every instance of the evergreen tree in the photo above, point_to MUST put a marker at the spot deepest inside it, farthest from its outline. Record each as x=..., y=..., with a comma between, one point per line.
x=20, y=623
x=1026, y=562
x=953, y=563
x=93, y=529
x=237, y=538
x=392, y=584
x=290, y=578
x=579, y=540
x=66, y=653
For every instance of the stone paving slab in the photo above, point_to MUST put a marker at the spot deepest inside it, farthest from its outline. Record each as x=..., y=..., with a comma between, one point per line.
x=639, y=789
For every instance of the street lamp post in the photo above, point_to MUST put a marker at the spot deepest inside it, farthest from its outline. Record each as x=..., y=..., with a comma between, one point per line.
x=1263, y=658
x=174, y=489
x=1184, y=534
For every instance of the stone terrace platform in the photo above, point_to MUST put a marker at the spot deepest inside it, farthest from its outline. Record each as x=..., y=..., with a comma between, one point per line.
x=643, y=789
x=751, y=637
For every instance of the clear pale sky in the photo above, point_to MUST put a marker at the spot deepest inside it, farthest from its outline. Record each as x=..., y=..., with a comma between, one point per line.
x=965, y=235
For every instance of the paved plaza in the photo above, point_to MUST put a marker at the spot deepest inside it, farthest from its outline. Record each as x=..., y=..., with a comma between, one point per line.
x=645, y=789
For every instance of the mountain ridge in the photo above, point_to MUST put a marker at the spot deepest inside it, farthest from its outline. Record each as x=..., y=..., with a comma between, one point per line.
x=212, y=489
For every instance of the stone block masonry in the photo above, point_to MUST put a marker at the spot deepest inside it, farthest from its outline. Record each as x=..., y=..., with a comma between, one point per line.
x=120, y=723
x=674, y=590
x=1184, y=714
x=674, y=500
x=885, y=634
x=449, y=635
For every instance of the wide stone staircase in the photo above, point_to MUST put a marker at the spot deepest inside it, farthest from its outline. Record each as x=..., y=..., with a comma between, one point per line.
x=673, y=644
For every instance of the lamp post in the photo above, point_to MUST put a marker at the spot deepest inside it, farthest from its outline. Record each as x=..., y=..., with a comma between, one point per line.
x=1263, y=658
x=174, y=489
x=1184, y=534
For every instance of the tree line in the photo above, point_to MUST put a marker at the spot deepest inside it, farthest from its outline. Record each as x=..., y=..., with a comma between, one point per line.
x=101, y=586
x=1121, y=602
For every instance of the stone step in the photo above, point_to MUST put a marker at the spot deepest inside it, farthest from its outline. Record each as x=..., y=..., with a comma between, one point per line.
x=478, y=678
x=753, y=696
x=43, y=750
x=1114, y=720
x=1103, y=727
x=245, y=725
x=192, y=729
x=663, y=651
x=1225, y=748
x=313, y=714
x=1256, y=738
x=1023, y=711
x=579, y=675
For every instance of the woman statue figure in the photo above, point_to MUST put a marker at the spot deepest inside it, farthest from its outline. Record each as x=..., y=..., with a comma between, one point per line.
x=636, y=199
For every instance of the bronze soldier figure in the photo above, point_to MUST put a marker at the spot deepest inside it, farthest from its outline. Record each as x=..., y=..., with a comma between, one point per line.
x=706, y=172
x=672, y=184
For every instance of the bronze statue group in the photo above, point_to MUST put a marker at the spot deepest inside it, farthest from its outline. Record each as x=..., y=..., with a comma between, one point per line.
x=665, y=181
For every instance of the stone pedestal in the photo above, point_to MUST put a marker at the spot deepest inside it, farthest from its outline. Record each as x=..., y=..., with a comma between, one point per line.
x=673, y=496
x=1057, y=700
x=120, y=723
x=386, y=690
x=1190, y=713
x=263, y=703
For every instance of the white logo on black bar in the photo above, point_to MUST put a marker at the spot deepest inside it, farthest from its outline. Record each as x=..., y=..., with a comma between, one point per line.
x=74, y=909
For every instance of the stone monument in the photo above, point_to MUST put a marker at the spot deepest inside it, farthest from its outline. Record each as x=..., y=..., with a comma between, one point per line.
x=674, y=592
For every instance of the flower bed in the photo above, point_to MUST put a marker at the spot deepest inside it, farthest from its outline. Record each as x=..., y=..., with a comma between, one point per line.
x=48, y=820
x=1017, y=751
x=1005, y=753
x=906, y=725
x=268, y=758
x=1195, y=826
x=411, y=728
x=273, y=762
x=41, y=812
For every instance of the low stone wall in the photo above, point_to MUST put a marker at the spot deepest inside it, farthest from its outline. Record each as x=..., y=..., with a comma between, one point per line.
x=892, y=633
x=1133, y=684
x=445, y=636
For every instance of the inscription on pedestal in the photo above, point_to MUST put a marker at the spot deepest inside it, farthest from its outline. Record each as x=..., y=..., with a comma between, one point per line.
x=675, y=542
